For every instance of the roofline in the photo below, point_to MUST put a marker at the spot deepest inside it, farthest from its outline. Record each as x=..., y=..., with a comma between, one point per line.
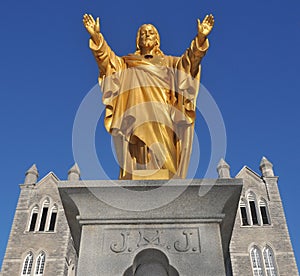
x=249, y=169
x=47, y=175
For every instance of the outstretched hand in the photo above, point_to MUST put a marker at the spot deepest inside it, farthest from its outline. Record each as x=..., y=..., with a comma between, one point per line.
x=92, y=26
x=205, y=27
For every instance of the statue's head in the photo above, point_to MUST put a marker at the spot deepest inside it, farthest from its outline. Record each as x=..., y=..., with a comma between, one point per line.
x=148, y=37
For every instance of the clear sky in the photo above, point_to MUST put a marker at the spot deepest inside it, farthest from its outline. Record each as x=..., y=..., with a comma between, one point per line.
x=251, y=70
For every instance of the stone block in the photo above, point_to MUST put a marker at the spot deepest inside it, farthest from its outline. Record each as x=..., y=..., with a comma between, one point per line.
x=192, y=231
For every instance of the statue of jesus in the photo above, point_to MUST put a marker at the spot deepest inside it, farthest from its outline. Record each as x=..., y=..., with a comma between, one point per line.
x=150, y=99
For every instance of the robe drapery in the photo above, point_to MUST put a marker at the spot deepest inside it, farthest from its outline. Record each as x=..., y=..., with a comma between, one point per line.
x=150, y=106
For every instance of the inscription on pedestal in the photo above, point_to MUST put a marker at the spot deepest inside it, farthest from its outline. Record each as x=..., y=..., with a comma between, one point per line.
x=179, y=240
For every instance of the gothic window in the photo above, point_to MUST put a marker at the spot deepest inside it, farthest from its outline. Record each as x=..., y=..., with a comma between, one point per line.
x=40, y=264
x=269, y=262
x=244, y=216
x=256, y=262
x=53, y=219
x=27, y=265
x=264, y=212
x=43, y=219
x=252, y=205
x=33, y=218
x=44, y=215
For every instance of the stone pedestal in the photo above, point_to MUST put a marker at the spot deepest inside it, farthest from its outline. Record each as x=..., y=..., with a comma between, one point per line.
x=189, y=235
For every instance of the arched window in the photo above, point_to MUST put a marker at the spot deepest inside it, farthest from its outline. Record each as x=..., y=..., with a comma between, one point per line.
x=244, y=215
x=27, y=265
x=251, y=200
x=256, y=262
x=44, y=215
x=40, y=264
x=33, y=218
x=269, y=262
x=53, y=218
x=264, y=212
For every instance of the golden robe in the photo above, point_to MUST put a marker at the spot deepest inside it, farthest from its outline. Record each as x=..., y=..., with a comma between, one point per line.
x=150, y=106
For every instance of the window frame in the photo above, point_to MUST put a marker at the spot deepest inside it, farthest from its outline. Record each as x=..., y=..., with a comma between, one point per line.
x=251, y=197
x=40, y=263
x=43, y=219
x=35, y=210
x=54, y=210
x=256, y=252
x=43, y=222
x=263, y=203
x=27, y=264
x=244, y=204
x=270, y=271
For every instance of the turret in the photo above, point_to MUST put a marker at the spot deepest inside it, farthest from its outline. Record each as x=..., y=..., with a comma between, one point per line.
x=31, y=176
x=223, y=169
x=266, y=167
x=74, y=173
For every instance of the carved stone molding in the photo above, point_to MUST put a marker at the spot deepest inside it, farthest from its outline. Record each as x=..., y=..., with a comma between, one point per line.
x=173, y=240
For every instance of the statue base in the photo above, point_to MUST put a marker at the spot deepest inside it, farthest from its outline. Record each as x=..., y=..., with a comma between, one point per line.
x=162, y=174
x=154, y=227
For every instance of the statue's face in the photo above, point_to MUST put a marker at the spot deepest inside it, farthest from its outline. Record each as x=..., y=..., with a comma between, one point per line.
x=148, y=37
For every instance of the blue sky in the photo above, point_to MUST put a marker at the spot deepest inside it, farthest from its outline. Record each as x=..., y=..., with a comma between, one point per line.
x=251, y=70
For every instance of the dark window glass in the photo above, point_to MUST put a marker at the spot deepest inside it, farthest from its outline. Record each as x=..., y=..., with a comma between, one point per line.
x=52, y=221
x=33, y=222
x=244, y=216
x=253, y=213
x=264, y=216
x=43, y=219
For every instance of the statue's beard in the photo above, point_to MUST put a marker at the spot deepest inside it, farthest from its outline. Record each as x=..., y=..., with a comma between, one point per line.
x=149, y=44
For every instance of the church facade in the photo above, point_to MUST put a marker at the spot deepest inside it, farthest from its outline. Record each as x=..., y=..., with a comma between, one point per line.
x=40, y=242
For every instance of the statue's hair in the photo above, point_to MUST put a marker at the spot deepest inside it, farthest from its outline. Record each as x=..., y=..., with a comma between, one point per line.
x=157, y=50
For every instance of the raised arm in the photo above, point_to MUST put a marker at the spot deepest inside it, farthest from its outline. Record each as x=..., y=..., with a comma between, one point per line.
x=191, y=59
x=205, y=28
x=108, y=62
x=92, y=27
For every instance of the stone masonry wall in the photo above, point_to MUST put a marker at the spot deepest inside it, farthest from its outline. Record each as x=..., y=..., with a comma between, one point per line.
x=274, y=235
x=55, y=244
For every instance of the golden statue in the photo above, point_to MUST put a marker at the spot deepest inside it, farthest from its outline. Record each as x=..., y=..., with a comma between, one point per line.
x=150, y=100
